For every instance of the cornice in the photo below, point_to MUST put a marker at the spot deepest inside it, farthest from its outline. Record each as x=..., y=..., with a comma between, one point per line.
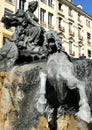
x=74, y=7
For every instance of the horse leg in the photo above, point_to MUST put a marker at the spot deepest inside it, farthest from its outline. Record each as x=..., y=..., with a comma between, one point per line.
x=84, y=110
x=61, y=90
x=41, y=104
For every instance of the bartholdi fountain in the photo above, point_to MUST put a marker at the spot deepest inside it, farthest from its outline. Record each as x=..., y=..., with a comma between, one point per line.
x=40, y=84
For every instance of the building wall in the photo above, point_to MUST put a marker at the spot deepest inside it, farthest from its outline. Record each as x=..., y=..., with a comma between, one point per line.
x=1, y=9
x=3, y=31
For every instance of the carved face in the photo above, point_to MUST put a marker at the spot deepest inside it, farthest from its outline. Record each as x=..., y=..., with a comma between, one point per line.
x=32, y=6
x=53, y=41
x=50, y=37
x=50, y=41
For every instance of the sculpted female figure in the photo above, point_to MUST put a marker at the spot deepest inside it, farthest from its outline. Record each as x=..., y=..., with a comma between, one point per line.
x=33, y=31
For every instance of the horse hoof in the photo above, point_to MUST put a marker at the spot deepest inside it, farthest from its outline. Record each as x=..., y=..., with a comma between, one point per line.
x=84, y=115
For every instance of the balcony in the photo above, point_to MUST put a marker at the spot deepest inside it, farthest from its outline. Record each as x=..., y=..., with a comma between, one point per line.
x=51, y=5
x=70, y=15
x=43, y=23
x=60, y=7
x=50, y=26
x=61, y=28
x=71, y=33
x=89, y=55
x=89, y=41
x=72, y=53
x=61, y=10
x=44, y=1
x=79, y=54
x=80, y=37
x=10, y=1
x=79, y=21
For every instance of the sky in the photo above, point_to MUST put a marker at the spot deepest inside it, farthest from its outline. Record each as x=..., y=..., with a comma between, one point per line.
x=87, y=5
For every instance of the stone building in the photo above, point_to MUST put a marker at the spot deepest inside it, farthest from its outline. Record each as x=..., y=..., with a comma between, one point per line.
x=6, y=6
x=74, y=25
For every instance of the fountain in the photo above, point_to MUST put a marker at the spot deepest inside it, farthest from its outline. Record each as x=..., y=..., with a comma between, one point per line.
x=32, y=95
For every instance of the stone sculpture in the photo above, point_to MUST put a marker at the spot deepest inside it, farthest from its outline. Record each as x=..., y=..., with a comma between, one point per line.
x=28, y=35
x=8, y=55
x=60, y=73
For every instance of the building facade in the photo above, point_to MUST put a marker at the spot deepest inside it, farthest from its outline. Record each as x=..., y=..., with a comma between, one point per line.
x=73, y=24
x=6, y=6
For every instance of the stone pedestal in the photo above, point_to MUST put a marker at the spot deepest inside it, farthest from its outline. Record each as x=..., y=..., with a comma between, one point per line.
x=18, y=89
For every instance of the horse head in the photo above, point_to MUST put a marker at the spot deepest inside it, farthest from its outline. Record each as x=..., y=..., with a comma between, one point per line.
x=52, y=41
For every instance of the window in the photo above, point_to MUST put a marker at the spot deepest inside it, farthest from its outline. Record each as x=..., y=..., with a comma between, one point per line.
x=70, y=27
x=70, y=12
x=80, y=34
x=7, y=11
x=42, y=15
x=21, y=4
x=79, y=31
x=44, y=1
x=89, y=53
x=59, y=22
x=70, y=46
x=79, y=17
x=50, y=18
x=88, y=37
x=71, y=33
x=50, y=3
x=79, y=51
x=11, y=1
x=88, y=23
x=60, y=6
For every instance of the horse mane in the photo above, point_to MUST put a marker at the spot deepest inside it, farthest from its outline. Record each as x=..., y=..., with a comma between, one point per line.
x=69, y=58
